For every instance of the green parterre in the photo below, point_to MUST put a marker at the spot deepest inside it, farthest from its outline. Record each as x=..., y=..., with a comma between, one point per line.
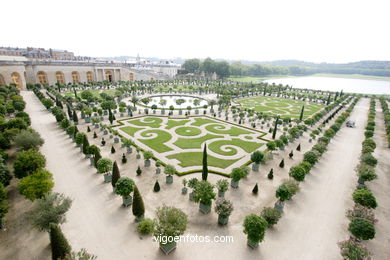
x=180, y=141
x=280, y=106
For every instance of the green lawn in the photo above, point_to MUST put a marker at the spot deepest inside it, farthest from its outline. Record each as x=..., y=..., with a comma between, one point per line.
x=202, y=121
x=130, y=130
x=194, y=143
x=195, y=159
x=157, y=143
x=153, y=122
x=247, y=146
x=220, y=129
x=188, y=131
x=172, y=123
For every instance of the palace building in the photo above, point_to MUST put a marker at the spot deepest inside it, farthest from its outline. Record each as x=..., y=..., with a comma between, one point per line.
x=22, y=66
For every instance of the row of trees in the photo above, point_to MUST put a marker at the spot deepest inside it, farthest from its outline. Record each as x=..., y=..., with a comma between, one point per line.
x=362, y=217
x=288, y=68
x=386, y=113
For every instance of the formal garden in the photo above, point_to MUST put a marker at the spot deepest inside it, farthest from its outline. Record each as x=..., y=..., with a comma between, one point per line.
x=180, y=142
x=234, y=163
x=280, y=106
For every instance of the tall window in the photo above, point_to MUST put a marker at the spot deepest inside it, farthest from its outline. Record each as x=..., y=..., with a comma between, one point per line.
x=42, y=78
x=131, y=76
x=16, y=79
x=75, y=77
x=89, y=76
x=60, y=77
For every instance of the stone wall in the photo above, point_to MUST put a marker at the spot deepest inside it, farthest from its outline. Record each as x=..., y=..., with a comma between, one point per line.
x=28, y=72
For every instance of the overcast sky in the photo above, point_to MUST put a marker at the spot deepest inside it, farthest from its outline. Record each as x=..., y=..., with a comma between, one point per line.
x=311, y=30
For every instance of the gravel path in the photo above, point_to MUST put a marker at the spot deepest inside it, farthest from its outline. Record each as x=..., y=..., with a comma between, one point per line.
x=315, y=220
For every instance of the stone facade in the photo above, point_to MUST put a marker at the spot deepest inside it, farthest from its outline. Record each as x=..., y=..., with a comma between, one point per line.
x=51, y=72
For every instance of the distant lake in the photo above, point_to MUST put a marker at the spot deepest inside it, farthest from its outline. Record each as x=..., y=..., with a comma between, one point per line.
x=362, y=86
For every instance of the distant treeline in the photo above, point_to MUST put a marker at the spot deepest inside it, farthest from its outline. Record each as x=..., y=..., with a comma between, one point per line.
x=285, y=67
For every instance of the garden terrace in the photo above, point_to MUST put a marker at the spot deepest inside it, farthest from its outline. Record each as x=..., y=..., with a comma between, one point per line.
x=180, y=142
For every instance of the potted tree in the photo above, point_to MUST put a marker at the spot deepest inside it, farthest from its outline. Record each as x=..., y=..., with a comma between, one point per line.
x=255, y=227
x=237, y=174
x=222, y=186
x=204, y=194
x=91, y=150
x=158, y=169
x=257, y=157
x=184, y=189
x=104, y=166
x=271, y=215
x=128, y=143
x=169, y=171
x=223, y=208
x=147, y=156
x=169, y=223
x=124, y=187
x=192, y=183
x=285, y=192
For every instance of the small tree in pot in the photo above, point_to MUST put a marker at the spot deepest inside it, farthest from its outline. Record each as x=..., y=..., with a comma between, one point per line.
x=128, y=143
x=257, y=157
x=169, y=171
x=104, y=166
x=184, y=189
x=222, y=186
x=169, y=223
x=223, y=208
x=192, y=183
x=271, y=215
x=254, y=227
x=79, y=139
x=285, y=192
x=124, y=187
x=237, y=174
x=158, y=169
x=147, y=156
x=204, y=194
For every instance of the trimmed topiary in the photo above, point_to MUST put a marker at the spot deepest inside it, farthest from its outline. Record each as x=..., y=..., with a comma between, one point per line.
x=156, y=187
x=365, y=198
x=271, y=174
x=362, y=228
x=255, y=189
x=58, y=243
x=281, y=164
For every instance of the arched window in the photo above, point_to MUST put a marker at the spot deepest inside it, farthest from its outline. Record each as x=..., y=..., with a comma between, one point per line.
x=60, y=77
x=42, y=78
x=131, y=76
x=109, y=76
x=16, y=79
x=75, y=77
x=89, y=76
x=2, y=80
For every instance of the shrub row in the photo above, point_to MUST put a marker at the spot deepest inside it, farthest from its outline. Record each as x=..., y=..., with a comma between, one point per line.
x=386, y=113
x=14, y=130
x=362, y=217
